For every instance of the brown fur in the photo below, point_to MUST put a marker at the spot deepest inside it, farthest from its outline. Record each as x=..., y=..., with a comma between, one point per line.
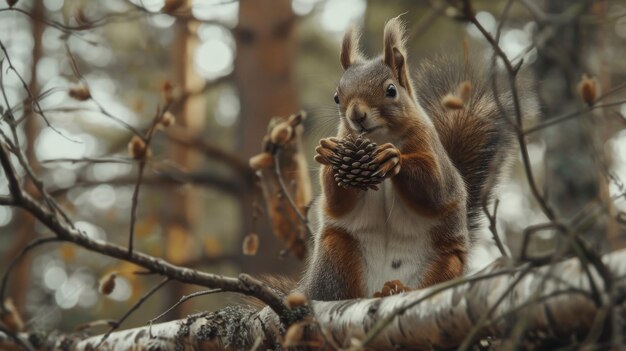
x=339, y=201
x=450, y=254
x=444, y=267
x=343, y=249
x=425, y=172
x=479, y=138
x=280, y=284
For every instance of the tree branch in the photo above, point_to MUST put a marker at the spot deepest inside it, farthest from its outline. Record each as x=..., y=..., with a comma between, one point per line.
x=153, y=264
x=437, y=317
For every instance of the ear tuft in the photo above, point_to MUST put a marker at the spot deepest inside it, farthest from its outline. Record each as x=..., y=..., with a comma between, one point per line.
x=394, y=52
x=394, y=40
x=350, y=48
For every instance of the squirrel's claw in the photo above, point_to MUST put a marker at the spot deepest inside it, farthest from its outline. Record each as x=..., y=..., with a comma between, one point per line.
x=392, y=288
x=329, y=143
x=322, y=160
x=390, y=167
x=325, y=150
x=388, y=157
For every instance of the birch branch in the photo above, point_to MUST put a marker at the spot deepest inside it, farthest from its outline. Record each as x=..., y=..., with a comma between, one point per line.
x=437, y=318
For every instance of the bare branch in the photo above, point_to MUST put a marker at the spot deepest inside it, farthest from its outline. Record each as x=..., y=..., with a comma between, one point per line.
x=9, y=172
x=437, y=317
x=35, y=243
x=115, y=325
x=213, y=152
x=156, y=265
x=183, y=299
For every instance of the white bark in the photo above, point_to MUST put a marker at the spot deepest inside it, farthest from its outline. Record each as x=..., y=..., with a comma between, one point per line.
x=441, y=320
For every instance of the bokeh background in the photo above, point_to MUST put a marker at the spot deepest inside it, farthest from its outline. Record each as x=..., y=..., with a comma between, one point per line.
x=234, y=65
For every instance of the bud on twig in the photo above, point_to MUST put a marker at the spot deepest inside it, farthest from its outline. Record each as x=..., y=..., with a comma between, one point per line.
x=80, y=92
x=262, y=160
x=80, y=17
x=296, y=300
x=137, y=148
x=461, y=10
x=355, y=345
x=587, y=88
x=107, y=284
x=281, y=134
x=11, y=318
x=296, y=119
x=167, y=92
x=294, y=334
x=250, y=244
x=452, y=102
x=172, y=5
x=11, y=2
x=167, y=120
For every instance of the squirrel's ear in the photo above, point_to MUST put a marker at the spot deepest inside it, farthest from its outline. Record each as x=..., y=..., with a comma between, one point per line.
x=395, y=51
x=350, y=48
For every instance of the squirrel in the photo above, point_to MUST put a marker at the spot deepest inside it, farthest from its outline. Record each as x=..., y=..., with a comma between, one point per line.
x=424, y=223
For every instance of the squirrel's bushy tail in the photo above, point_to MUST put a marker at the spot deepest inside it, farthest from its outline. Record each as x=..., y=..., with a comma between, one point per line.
x=479, y=138
x=281, y=285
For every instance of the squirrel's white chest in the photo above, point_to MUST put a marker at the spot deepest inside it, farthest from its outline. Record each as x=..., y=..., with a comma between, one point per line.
x=393, y=239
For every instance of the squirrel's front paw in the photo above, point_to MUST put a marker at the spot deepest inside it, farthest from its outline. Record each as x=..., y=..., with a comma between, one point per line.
x=388, y=158
x=392, y=288
x=325, y=150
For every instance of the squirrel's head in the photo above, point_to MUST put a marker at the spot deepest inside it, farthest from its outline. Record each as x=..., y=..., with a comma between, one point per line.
x=375, y=96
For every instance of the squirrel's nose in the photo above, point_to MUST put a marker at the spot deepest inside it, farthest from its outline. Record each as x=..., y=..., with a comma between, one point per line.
x=358, y=115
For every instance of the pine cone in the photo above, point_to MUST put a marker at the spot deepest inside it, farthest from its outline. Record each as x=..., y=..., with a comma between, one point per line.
x=352, y=164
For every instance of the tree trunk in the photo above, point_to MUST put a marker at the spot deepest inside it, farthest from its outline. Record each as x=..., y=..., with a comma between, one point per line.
x=26, y=223
x=265, y=78
x=184, y=206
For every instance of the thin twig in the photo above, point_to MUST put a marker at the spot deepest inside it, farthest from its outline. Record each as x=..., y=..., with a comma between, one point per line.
x=560, y=119
x=135, y=203
x=9, y=173
x=426, y=21
x=183, y=137
x=286, y=193
x=494, y=228
x=5, y=278
x=243, y=284
x=6, y=201
x=469, y=339
x=137, y=304
x=126, y=160
x=32, y=98
x=512, y=73
x=142, y=166
x=182, y=299
x=585, y=255
x=15, y=147
x=16, y=338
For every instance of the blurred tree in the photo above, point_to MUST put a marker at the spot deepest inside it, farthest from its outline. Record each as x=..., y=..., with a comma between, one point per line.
x=25, y=222
x=264, y=76
x=185, y=207
x=570, y=182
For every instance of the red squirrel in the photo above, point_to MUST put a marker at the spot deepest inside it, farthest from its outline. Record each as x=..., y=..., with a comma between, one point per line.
x=423, y=224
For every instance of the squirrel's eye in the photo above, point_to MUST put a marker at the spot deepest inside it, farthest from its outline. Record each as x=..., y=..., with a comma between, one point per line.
x=391, y=91
x=336, y=98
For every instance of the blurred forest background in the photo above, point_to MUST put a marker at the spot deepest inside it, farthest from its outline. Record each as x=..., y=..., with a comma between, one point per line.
x=232, y=65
